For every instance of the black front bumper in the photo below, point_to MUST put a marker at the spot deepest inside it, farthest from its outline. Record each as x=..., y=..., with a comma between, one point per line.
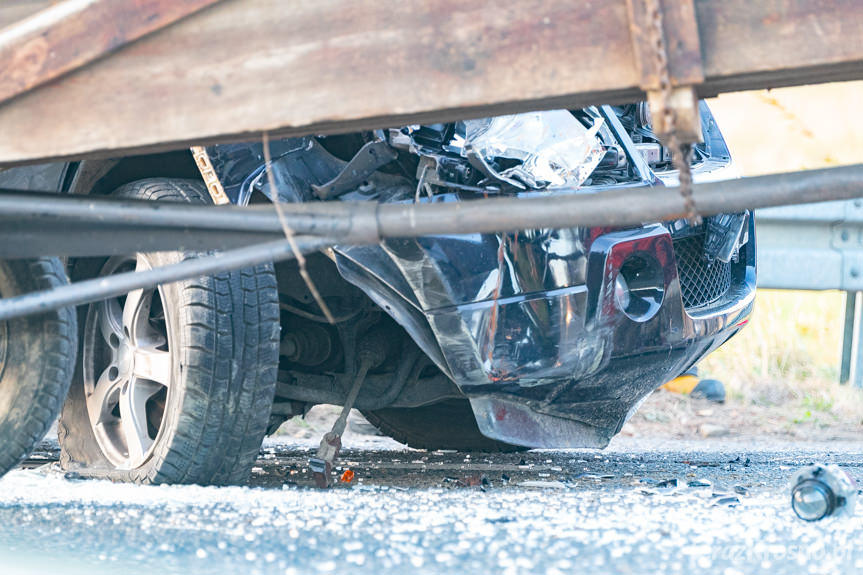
x=528, y=327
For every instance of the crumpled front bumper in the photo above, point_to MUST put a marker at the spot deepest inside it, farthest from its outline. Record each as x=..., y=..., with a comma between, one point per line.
x=528, y=327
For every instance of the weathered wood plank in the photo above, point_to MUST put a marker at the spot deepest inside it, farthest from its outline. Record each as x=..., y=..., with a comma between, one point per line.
x=749, y=45
x=72, y=33
x=247, y=66
x=252, y=65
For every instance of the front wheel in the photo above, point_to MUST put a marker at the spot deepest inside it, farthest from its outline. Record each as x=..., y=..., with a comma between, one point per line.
x=37, y=358
x=176, y=383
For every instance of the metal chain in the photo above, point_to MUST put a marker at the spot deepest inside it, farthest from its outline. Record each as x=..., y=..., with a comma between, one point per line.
x=681, y=153
x=684, y=168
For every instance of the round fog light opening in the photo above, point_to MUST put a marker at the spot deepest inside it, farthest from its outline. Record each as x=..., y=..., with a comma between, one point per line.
x=621, y=292
x=639, y=287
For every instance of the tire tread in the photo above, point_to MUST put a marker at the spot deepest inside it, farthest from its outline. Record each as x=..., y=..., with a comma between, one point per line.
x=229, y=354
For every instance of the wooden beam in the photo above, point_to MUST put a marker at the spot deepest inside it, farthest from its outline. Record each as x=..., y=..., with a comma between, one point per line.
x=72, y=33
x=248, y=66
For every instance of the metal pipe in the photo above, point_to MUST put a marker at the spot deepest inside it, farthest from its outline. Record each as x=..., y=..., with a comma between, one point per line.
x=848, y=336
x=368, y=222
x=112, y=286
x=618, y=207
x=337, y=219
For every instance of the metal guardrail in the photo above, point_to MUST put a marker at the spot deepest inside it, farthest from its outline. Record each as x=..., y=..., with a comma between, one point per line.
x=818, y=247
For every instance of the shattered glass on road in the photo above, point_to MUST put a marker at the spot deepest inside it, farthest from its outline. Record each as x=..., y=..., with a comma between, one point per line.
x=678, y=507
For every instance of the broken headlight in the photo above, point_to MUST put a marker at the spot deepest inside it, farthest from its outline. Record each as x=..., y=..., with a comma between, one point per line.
x=538, y=150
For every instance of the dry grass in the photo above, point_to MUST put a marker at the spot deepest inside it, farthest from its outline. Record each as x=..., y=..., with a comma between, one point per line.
x=781, y=372
x=788, y=358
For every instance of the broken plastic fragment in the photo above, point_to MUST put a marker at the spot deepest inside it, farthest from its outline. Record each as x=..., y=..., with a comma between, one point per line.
x=726, y=501
x=347, y=476
x=544, y=484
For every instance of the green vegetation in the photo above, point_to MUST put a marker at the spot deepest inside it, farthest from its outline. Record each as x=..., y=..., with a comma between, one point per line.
x=788, y=357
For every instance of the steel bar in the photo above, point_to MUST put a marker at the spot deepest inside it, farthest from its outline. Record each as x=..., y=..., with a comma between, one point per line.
x=332, y=218
x=618, y=207
x=245, y=67
x=80, y=241
x=848, y=336
x=73, y=33
x=112, y=286
x=367, y=222
x=39, y=224
x=858, y=355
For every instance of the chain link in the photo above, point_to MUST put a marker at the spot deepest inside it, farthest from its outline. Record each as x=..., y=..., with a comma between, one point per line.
x=681, y=153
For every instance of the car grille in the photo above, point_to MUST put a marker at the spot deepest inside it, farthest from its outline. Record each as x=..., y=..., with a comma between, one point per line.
x=700, y=283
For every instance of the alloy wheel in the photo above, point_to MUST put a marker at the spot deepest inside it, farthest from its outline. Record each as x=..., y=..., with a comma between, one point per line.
x=127, y=368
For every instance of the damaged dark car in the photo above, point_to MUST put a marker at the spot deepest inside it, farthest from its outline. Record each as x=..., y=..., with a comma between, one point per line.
x=542, y=338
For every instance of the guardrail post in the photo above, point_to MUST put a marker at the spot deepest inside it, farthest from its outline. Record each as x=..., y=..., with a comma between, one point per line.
x=848, y=338
x=858, y=353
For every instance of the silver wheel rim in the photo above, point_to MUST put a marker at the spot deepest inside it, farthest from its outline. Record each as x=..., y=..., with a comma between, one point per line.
x=127, y=369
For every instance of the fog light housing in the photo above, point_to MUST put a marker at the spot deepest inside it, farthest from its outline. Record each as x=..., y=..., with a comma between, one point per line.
x=818, y=491
x=812, y=500
x=639, y=287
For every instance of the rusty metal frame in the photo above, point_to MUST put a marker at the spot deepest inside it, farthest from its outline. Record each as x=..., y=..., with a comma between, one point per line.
x=667, y=47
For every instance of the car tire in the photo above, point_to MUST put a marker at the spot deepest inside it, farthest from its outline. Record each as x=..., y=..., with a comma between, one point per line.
x=175, y=384
x=37, y=359
x=448, y=424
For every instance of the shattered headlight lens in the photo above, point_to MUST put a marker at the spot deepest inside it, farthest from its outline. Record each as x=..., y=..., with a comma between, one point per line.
x=538, y=150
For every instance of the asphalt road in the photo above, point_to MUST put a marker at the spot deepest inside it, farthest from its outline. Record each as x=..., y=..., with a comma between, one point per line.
x=616, y=511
